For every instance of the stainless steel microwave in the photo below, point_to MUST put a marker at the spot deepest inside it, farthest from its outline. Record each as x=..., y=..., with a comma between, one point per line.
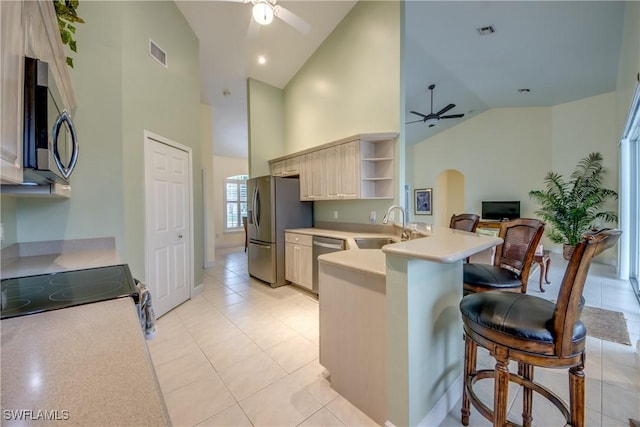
x=50, y=146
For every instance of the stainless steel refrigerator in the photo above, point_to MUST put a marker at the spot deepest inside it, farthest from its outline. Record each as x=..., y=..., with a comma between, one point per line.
x=273, y=205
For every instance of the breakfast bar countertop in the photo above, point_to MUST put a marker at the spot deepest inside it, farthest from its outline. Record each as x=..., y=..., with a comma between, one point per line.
x=444, y=245
x=83, y=365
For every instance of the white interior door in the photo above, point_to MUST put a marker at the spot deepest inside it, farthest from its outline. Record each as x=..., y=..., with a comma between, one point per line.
x=168, y=223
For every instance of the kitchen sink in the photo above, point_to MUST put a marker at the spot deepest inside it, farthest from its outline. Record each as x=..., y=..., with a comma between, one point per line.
x=374, y=242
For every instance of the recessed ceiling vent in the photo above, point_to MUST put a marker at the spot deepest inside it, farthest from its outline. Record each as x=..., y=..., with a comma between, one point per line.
x=485, y=31
x=157, y=53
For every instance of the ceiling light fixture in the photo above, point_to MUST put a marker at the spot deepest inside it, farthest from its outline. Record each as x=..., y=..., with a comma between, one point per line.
x=262, y=12
x=431, y=121
x=262, y=59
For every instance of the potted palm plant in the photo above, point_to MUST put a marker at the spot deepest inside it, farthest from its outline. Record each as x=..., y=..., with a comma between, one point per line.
x=573, y=207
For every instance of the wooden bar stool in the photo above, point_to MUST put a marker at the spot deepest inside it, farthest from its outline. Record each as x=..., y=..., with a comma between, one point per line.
x=512, y=262
x=464, y=222
x=533, y=332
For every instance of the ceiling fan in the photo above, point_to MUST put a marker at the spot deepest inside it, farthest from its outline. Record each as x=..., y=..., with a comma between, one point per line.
x=432, y=118
x=263, y=12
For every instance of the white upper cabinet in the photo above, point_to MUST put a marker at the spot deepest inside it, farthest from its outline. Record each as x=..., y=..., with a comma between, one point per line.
x=11, y=89
x=343, y=171
x=42, y=41
x=359, y=167
x=29, y=28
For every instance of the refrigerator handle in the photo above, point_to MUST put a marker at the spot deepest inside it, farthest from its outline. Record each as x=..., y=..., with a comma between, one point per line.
x=257, y=208
x=253, y=211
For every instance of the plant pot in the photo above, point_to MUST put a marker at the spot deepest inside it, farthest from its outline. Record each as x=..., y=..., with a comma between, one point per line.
x=567, y=251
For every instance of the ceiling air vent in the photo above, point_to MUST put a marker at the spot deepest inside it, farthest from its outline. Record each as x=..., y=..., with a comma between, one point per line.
x=157, y=53
x=485, y=31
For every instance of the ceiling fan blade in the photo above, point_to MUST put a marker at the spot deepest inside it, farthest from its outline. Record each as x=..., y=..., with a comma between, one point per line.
x=253, y=30
x=419, y=114
x=452, y=116
x=292, y=19
x=415, y=121
x=445, y=109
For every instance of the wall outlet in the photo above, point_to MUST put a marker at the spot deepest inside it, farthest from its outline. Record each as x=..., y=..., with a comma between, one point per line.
x=372, y=217
x=1, y=232
x=335, y=214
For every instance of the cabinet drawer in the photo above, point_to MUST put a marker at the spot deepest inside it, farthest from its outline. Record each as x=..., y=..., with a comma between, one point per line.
x=300, y=239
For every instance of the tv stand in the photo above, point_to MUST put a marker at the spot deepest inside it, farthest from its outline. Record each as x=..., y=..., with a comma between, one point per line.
x=489, y=223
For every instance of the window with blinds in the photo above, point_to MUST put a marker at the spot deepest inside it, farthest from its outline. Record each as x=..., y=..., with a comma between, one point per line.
x=235, y=195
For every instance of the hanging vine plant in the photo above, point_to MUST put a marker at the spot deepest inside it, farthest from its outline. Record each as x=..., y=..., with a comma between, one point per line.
x=66, y=12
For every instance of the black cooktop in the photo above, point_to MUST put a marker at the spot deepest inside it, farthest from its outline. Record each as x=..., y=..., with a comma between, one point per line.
x=34, y=294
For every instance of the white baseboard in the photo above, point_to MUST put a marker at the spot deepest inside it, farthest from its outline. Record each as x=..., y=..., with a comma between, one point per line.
x=197, y=290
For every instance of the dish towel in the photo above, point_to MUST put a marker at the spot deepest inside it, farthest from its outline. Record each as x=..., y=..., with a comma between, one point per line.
x=145, y=311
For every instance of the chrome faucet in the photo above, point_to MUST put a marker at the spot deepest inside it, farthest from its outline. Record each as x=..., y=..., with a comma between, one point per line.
x=385, y=220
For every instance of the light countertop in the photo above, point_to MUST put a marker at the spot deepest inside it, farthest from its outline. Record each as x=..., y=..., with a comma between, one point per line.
x=87, y=363
x=444, y=245
x=366, y=261
x=348, y=236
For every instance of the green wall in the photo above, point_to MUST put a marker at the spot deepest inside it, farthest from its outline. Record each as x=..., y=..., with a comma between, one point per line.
x=350, y=85
x=266, y=125
x=121, y=91
x=165, y=101
x=8, y=219
x=95, y=208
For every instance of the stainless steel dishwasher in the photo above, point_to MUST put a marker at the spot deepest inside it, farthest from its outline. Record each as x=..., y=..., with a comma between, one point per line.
x=323, y=245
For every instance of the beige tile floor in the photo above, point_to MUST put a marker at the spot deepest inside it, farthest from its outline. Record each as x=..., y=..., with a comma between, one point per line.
x=243, y=354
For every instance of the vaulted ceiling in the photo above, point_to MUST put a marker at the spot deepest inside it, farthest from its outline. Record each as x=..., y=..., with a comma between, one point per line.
x=560, y=50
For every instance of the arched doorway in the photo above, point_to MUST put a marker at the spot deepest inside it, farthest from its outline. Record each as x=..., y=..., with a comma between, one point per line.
x=448, y=196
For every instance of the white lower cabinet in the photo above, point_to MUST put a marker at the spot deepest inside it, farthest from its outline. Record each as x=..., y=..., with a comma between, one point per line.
x=298, y=258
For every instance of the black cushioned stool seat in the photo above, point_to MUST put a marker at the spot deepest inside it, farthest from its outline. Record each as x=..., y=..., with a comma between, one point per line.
x=514, y=315
x=512, y=260
x=490, y=276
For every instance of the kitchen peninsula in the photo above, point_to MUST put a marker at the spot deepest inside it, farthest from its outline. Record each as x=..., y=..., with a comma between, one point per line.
x=390, y=329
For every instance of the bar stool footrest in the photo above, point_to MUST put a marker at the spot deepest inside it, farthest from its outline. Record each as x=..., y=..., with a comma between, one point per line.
x=515, y=378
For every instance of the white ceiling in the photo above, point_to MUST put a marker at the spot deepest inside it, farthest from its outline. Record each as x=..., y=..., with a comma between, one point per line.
x=228, y=57
x=561, y=50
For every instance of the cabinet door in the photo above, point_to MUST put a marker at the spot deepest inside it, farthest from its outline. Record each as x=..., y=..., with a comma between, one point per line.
x=318, y=189
x=290, y=265
x=306, y=267
x=306, y=177
x=11, y=88
x=332, y=172
x=292, y=166
x=277, y=168
x=350, y=170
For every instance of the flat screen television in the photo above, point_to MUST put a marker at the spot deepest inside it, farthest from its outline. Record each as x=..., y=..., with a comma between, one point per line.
x=500, y=210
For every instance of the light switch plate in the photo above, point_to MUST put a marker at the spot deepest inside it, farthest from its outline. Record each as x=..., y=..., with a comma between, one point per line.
x=372, y=217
